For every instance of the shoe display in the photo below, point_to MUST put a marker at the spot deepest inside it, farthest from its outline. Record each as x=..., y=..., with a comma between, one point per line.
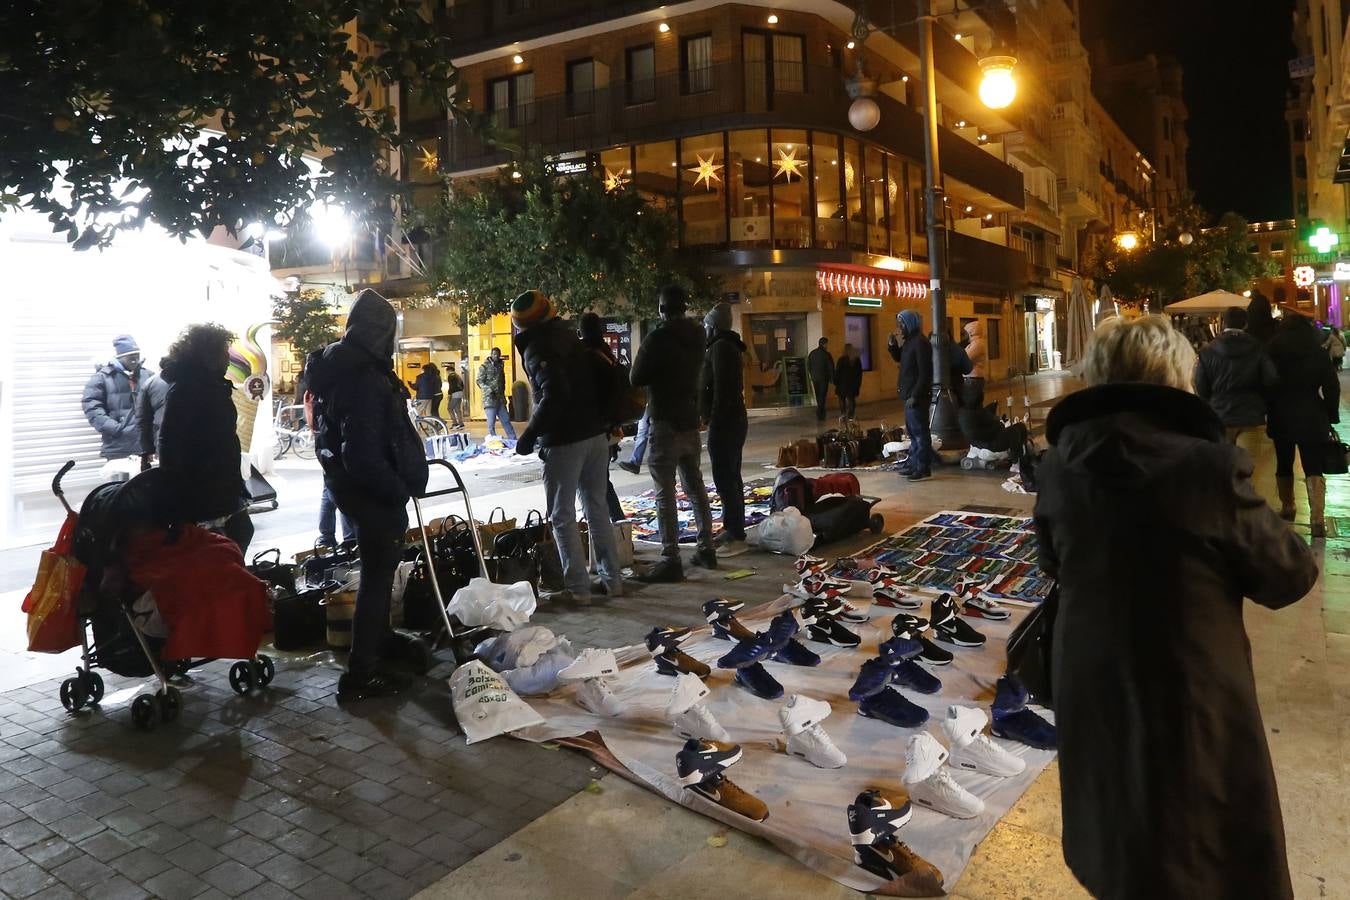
x=687, y=713
x=873, y=820
x=664, y=644
x=808, y=563
x=891, y=707
x=971, y=749
x=757, y=680
x=594, y=695
x=894, y=598
x=899, y=648
x=591, y=664
x=910, y=674
x=700, y=766
x=903, y=622
x=704, y=559
x=795, y=653
x=667, y=571
x=930, y=782
x=830, y=631
x=950, y=628
x=801, y=717
x=747, y=652
x=821, y=583
x=352, y=688
x=1025, y=727
x=978, y=606
x=872, y=678
x=720, y=612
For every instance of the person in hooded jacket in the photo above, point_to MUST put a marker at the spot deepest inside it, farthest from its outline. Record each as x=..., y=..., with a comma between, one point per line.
x=914, y=382
x=427, y=386
x=1234, y=374
x=603, y=364
x=848, y=380
x=972, y=386
x=1260, y=318
x=1167, y=785
x=569, y=428
x=1304, y=404
x=373, y=463
x=111, y=400
x=668, y=364
x=722, y=408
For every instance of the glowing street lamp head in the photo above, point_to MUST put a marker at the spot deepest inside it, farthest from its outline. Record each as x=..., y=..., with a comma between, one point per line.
x=332, y=225
x=998, y=87
x=1128, y=241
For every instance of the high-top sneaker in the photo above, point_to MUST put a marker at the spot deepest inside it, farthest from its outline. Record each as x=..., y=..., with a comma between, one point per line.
x=892, y=597
x=700, y=766
x=930, y=782
x=688, y=714
x=831, y=631
x=971, y=749
x=976, y=605
x=872, y=678
x=801, y=717
x=951, y=628
x=807, y=563
x=1013, y=721
x=757, y=680
x=595, y=696
x=664, y=644
x=591, y=663
x=891, y=707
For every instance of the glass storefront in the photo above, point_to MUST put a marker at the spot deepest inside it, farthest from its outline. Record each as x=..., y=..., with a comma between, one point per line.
x=774, y=340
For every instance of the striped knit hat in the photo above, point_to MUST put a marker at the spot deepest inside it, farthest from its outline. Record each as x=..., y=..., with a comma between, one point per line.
x=532, y=308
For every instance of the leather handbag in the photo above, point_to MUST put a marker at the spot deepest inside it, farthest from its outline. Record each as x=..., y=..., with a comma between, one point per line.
x=834, y=453
x=787, y=456
x=848, y=454
x=1334, y=460
x=808, y=455
x=1030, y=646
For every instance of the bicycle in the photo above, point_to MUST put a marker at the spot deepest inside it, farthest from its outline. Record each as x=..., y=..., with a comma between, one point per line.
x=427, y=426
x=293, y=433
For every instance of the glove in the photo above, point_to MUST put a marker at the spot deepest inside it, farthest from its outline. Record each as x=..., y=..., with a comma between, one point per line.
x=525, y=445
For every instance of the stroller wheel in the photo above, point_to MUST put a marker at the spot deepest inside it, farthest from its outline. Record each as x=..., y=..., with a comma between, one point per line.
x=266, y=670
x=241, y=677
x=93, y=682
x=170, y=703
x=967, y=463
x=73, y=695
x=143, y=712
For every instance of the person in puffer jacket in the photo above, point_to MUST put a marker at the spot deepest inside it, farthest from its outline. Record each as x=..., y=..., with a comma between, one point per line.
x=722, y=407
x=972, y=386
x=111, y=400
x=1235, y=374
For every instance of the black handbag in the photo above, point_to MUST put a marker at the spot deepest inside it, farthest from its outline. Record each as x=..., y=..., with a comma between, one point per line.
x=321, y=566
x=515, y=553
x=1334, y=460
x=271, y=570
x=1029, y=649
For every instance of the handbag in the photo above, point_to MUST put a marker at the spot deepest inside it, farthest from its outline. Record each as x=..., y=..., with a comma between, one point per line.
x=834, y=454
x=1334, y=460
x=488, y=531
x=1029, y=649
x=272, y=571
x=787, y=456
x=808, y=455
x=53, y=617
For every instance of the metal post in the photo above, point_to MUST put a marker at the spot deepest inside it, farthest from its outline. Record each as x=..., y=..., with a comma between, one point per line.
x=944, y=424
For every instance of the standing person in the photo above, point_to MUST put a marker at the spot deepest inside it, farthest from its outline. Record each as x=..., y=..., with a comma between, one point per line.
x=1234, y=375
x=110, y=400
x=972, y=393
x=848, y=380
x=1167, y=785
x=427, y=385
x=568, y=427
x=633, y=465
x=914, y=382
x=154, y=391
x=1260, y=320
x=492, y=385
x=1335, y=344
x=668, y=365
x=722, y=408
x=605, y=369
x=199, y=455
x=454, y=386
x=1303, y=406
x=820, y=366
x=373, y=463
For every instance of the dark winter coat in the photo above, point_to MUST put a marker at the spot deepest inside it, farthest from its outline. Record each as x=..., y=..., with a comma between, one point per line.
x=1150, y=522
x=373, y=460
x=722, y=383
x=668, y=365
x=453, y=383
x=820, y=366
x=199, y=445
x=562, y=378
x=1306, y=398
x=1234, y=374
x=110, y=405
x=151, y=415
x=492, y=383
x=428, y=383
x=848, y=376
x=915, y=379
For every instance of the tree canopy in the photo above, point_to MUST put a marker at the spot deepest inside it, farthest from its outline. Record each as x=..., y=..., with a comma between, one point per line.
x=305, y=320
x=101, y=126
x=569, y=236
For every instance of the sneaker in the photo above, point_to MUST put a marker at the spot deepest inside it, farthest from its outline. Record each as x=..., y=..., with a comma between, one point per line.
x=919, y=476
x=950, y=628
x=899, y=649
x=891, y=707
x=591, y=664
x=872, y=678
x=667, y=571
x=801, y=590
x=748, y=652
x=663, y=642
x=757, y=680
x=891, y=859
x=1025, y=727
x=881, y=572
x=820, y=583
x=903, y=622
x=801, y=717
x=732, y=547
x=631, y=468
x=971, y=749
x=795, y=653
x=721, y=607
x=721, y=613
x=728, y=795
x=806, y=563
x=854, y=615
x=877, y=813
x=894, y=598
x=602, y=588
x=978, y=606
x=704, y=559
x=700, y=760
x=930, y=783
x=910, y=674
x=1009, y=696
x=687, y=713
x=830, y=631
x=595, y=696
x=783, y=628
x=352, y=688
x=933, y=654
x=821, y=607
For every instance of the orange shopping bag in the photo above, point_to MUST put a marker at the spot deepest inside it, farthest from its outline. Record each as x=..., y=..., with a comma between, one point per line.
x=53, y=619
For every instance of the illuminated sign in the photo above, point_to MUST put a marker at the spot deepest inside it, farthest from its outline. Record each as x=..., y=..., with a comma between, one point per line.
x=863, y=282
x=869, y=302
x=1305, y=276
x=1323, y=240
x=1341, y=272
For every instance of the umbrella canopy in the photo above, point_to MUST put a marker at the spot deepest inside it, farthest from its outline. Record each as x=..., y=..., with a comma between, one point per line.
x=1211, y=304
x=1106, y=306
x=1080, y=324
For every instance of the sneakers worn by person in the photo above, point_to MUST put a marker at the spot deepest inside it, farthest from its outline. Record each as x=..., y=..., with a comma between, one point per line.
x=664, y=644
x=950, y=628
x=930, y=782
x=594, y=695
x=631, y=468
x=667, y=571
x=689, y=716
x=352, y=688
x=733, y=547
x=704, y=559
x=894, y=598
x=872, y=678
x=591, y=663
x=971, y=749
x=757, y=680
x=826, y=630
x=922, y=475
x=801, y=717
x=891, y=707
x=602, y=588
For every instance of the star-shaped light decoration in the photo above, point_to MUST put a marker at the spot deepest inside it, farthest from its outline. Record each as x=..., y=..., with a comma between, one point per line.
x=614, y=181
x=788, y=165
x=706, y=171
x=430, y=161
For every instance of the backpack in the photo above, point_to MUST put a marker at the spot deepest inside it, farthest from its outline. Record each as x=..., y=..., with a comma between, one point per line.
x=615, y=394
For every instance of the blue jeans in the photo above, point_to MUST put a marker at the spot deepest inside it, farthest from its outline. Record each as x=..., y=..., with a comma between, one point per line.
x=497, y=414
x=580, y=471
x=640, y=442
x=328, y=515
x=920, y=439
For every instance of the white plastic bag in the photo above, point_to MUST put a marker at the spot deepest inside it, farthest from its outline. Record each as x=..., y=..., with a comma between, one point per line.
x=541, y=676
x=787, y=531
x=485, y=706
x=504, y=607
x=519, y=649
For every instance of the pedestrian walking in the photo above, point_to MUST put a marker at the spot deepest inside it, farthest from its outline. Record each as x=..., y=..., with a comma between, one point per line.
x=914, y=382
x=454, y=386
x=668, y=365
x=492, y=387
x=111, y=400
x=1260, y=318
x=1234, y=375
x=848, y=381
x=722, y=408
x=1303, y=406
x=154, y=391
x=633, y=464
x=428, y=391
x=568, y=427
x=373, y=463
x=1335, y=344
x=1166, y=779
x=972, y=385
x=820, y=366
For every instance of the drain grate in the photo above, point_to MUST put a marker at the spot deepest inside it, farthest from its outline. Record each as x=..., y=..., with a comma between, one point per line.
x=518, y=476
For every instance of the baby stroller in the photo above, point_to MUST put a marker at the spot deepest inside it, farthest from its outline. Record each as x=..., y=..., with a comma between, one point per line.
x=119, y=614
x=993, y=444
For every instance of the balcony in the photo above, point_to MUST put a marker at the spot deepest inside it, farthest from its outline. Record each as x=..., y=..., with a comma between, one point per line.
x=664, y=108
x=1077, y=202
x=984, y=264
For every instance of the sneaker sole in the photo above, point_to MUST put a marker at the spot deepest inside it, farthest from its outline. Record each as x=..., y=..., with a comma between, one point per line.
x=969, y=767
x=958, y=642
x=896, y=604
x=868, y=715
x=975, y=613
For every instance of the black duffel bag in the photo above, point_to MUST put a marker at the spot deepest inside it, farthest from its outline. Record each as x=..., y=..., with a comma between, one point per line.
x=1029, y=648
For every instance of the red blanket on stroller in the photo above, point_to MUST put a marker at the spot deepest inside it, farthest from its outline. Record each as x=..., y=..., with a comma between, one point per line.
x=211, y=605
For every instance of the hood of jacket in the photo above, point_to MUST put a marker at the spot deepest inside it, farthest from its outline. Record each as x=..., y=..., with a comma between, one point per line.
x=727, y=335
x=372, y=325
x=718, y=318
x=1233, y=344
x=974, y=330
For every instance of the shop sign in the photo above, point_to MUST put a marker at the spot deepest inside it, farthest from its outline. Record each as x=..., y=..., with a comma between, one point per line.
x=834, y=281
x=865, y=302
x=1341, y=272
x=571, y=164
x=1305, y=276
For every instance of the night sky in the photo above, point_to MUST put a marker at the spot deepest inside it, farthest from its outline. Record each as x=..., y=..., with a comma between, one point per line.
x=1235, y=56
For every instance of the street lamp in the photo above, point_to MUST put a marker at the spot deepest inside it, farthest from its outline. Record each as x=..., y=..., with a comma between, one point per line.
x=1128, y=241
x=998, y=87
x=1185, y=239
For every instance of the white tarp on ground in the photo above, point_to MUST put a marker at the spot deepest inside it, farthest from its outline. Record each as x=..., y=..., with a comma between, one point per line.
x=807, y=806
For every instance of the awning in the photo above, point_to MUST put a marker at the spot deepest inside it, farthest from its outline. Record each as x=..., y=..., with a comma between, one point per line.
x=870, y=281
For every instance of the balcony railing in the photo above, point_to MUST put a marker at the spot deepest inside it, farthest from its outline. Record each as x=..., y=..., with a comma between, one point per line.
x=475, y=25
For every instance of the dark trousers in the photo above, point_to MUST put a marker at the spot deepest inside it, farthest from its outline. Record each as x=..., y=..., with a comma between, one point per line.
x=1309, y=457
x=972, y=392
x=848, y=406
x=379, y=538
x=822, y=401
x=726, y=443
x=239, y=528
x=920, y=439
x=615, y=508
x=436, y=406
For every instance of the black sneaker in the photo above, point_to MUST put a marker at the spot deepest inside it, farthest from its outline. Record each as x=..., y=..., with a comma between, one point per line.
x=629, y=467
x=667, y=571
x=352, y=688
x=919, y=476
x=704, y=559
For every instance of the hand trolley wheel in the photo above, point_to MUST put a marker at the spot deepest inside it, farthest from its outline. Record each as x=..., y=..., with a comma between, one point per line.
x=143, y=712
x=241, y=677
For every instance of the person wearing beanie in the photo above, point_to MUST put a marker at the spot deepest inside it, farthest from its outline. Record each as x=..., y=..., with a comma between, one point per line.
x=111, y=399
x=373, y=463
x=914, y=353
x=492, y=386
x=820, y=366
x=568, y=428
x=722, y=408
x=668, y=364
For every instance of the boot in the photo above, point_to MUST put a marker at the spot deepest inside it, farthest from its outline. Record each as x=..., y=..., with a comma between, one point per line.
x=1285, y=485
x=1317, y=497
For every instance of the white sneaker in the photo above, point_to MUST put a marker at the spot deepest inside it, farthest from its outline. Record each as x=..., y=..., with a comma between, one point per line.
x=973, y=750
x=801, y=712
x=697, y=723
x=591, y=664
x=595, y=697
x=801, y=717
x=689, y=692
x=930, y=783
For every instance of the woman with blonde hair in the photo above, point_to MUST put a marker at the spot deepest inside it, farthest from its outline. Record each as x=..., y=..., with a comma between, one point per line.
x=1148, y=518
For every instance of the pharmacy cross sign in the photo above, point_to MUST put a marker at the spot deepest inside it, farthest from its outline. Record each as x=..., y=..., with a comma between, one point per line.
x=1323, y=240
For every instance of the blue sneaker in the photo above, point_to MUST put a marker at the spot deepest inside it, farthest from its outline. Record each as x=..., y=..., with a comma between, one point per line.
x=872, y=679
x=1025, y=727
x=1009, y=696
x=795, y=653
x=782, y=629
x=757, y=680
x=915, y=677
x=898, y=649
x=747, y=653
x=892, y=708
